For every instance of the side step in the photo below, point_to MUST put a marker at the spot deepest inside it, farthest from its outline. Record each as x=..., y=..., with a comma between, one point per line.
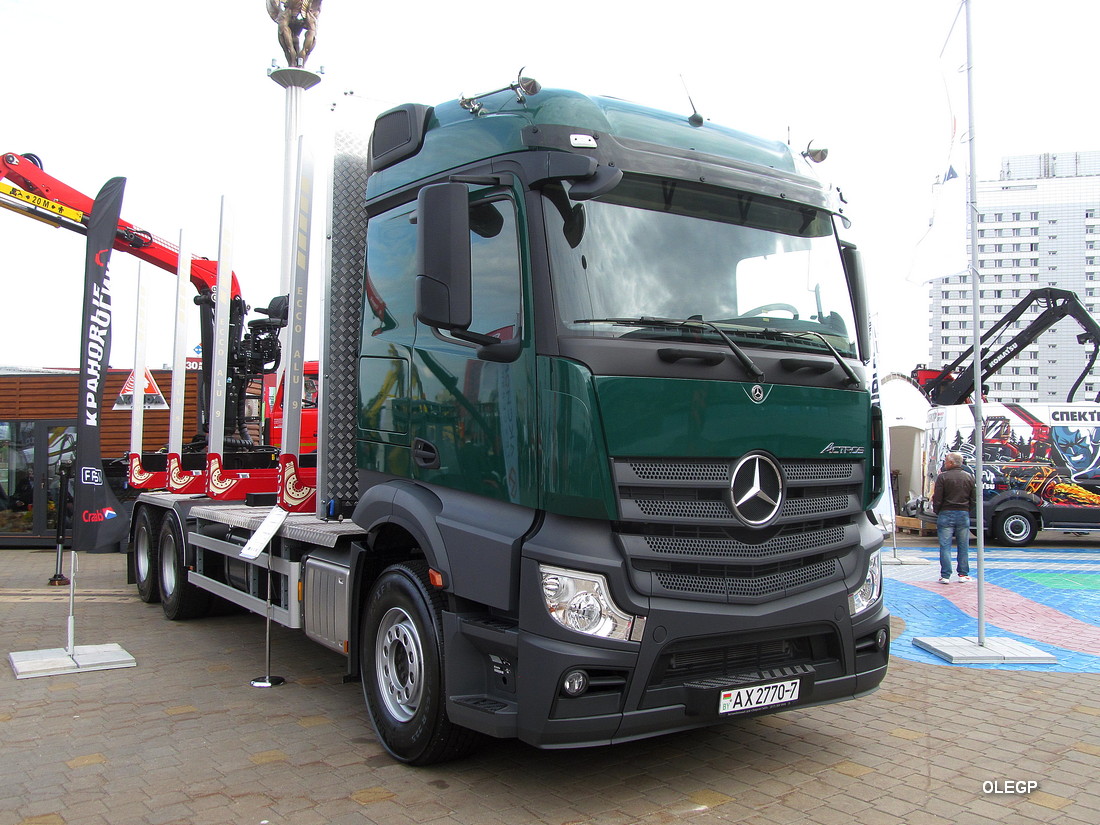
x=485, y=714
x=480, y=676
x=484, y=704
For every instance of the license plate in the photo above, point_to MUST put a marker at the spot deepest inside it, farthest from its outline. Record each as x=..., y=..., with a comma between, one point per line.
x=736, y=700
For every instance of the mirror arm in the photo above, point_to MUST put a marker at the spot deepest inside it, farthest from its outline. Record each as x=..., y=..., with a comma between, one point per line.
x=473, y=337
x=502, y=352
x=483, y=180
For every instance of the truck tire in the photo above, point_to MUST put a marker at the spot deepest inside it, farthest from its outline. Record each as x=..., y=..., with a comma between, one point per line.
x=178, y=597
x=1015, y=527
x=401, y=665
x=146, y=557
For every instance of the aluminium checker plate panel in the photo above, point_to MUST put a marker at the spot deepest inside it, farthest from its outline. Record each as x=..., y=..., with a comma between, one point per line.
x=342, y=314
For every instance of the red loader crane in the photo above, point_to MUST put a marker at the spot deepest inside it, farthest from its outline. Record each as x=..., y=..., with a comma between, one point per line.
x=254, y=353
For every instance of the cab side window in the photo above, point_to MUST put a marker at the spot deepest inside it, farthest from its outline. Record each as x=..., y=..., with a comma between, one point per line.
x=388, y=294
x=496, y=292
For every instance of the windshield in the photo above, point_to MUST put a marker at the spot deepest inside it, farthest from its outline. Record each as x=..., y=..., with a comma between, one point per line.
x=765, y=271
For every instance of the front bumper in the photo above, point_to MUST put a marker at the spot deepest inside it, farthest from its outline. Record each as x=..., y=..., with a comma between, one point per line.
x=673, y=679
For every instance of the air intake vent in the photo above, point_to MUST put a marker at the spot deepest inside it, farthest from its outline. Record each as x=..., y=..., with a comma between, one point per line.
x=398, y=134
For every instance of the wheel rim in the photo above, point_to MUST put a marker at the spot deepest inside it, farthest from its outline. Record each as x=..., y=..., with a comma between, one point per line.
x=1017, y=527
x=141, y=554
x=168, y=564
x=399, y=664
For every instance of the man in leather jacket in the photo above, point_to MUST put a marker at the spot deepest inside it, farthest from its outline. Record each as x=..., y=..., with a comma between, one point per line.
x=953, y=497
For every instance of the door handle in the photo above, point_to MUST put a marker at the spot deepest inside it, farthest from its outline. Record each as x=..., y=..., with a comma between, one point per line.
x=425, y=455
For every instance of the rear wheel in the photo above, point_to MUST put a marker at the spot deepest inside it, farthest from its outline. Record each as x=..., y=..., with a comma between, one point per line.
x=1016, y=527
x=178, y=597
x=146, y=557
x=401, y=664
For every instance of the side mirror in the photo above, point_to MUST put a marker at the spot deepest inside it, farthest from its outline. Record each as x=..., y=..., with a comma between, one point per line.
x=444, y=270
x=853, y=268
x=443, y=256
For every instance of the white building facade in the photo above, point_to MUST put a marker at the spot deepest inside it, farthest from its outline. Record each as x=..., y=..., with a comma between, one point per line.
x=1038, y=226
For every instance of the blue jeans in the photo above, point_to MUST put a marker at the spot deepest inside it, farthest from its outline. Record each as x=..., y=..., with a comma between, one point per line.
x=954, y=524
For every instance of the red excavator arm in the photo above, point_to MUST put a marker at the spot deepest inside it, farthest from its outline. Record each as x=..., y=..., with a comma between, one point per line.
x=252, y=349
x=45, y=198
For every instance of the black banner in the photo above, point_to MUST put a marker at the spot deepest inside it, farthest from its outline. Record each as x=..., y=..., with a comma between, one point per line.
x=97, y=522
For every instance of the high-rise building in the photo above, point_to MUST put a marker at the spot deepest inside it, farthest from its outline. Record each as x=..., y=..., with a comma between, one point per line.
x=1038, y=226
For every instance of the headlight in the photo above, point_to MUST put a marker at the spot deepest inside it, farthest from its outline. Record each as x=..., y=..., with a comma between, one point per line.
x=871, y=590
x=582, y=602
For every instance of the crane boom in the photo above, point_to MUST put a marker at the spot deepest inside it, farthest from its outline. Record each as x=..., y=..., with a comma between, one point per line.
x=40, y=195
x=947, y=388
x=256, y=352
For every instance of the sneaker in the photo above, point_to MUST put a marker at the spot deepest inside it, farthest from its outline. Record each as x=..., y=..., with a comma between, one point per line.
x=964, y=578
x=944, y=581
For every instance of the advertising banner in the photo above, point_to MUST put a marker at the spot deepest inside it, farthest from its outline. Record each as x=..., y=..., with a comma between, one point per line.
x=97, y=521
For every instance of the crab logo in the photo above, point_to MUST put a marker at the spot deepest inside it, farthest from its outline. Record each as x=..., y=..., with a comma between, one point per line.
x=105, y=514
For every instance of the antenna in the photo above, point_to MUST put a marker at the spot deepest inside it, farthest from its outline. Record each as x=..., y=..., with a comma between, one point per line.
x=696, y=119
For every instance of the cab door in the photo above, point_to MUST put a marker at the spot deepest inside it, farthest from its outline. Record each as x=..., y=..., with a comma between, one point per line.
x=472, y=417
x=385, y=354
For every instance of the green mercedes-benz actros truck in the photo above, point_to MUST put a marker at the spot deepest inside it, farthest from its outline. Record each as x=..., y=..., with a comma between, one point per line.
x=596, y=415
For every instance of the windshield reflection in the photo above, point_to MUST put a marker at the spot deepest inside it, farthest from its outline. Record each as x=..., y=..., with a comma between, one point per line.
x=767, y=271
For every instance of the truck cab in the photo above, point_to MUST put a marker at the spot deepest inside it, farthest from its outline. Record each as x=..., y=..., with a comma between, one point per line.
x=613, y=439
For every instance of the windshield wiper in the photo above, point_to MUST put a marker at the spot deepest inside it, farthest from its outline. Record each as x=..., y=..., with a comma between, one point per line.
x=643, y=321
x=640, y=321
x=852, y=378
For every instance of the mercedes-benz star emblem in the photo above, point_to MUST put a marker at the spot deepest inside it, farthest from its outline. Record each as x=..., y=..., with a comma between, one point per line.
x=756, y=489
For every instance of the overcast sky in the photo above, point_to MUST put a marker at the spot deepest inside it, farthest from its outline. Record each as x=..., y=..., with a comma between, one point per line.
x=176, y=98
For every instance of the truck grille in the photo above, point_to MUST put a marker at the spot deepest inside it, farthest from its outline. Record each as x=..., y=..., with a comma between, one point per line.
x=730, y=584
x=682, y=539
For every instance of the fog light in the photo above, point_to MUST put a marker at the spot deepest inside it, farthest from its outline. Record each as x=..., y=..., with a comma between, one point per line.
x=575, y=683
x=881, y=638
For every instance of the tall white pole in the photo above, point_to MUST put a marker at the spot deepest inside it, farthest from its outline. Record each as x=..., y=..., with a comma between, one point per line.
x=219, y=375
x=137, y=396
x=975, y=287
x=294, y=81
x=179, y=351
x=293, y=352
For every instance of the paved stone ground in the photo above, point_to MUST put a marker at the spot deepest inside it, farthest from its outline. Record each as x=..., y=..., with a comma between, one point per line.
x=184, y=738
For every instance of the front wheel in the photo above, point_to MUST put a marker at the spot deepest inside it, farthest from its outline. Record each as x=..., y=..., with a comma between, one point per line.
x=401, y=665
x=1016, y=528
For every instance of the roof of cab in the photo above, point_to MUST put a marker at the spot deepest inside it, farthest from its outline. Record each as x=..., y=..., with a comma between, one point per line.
x=455, y=136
